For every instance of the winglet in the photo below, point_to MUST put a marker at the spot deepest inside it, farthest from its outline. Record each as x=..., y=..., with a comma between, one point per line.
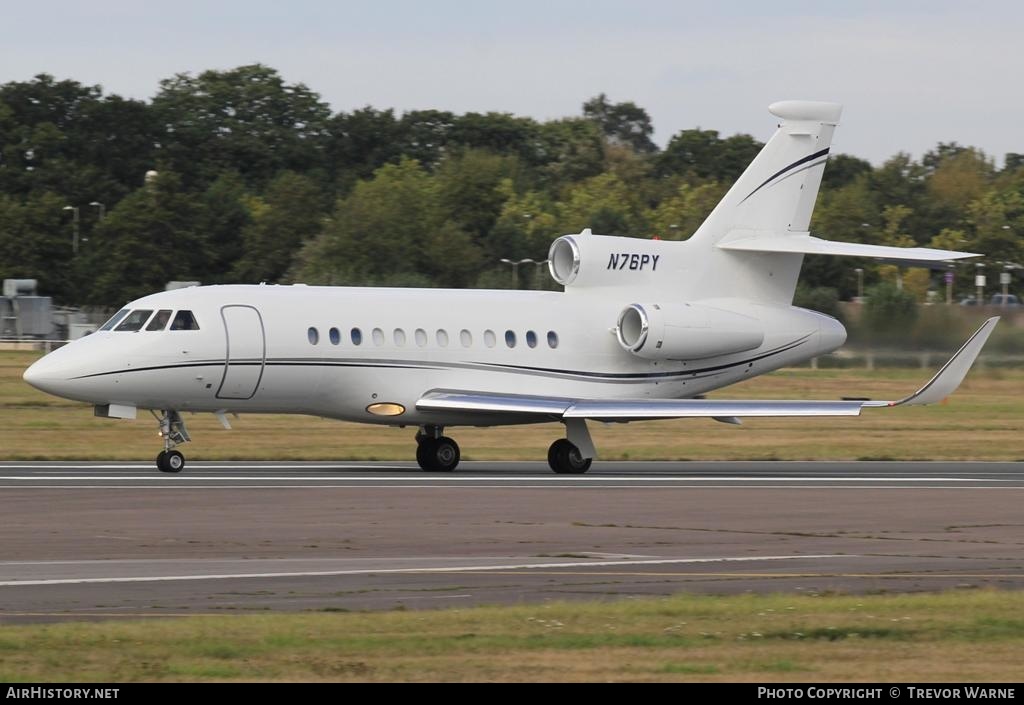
x=946, y=380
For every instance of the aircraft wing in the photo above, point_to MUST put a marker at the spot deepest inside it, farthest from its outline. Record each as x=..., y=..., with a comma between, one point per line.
x=944, y=383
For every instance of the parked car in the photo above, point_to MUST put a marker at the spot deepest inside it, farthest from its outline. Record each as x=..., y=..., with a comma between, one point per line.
x=1004, y=300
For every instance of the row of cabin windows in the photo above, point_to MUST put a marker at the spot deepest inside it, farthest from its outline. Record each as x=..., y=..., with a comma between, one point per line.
x=421, y=337
x=145, y=319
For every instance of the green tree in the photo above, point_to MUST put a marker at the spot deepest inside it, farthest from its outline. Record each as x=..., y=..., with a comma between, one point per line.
x=222, y=216
x=150, y=238
x=245, y=119
x=889, y=312
x=843, y=169
x=622, y=123
x=289, y=214
x=361, y=142
x=525, y=227
x=499, y=133
x=603, y=203
x=824, y=299
x=386, y=231
x=568, y=151
x=65, y=137
x=469, y=188
x=36, y=243
x=426, y=135
x=996, y=219
x=705, y=155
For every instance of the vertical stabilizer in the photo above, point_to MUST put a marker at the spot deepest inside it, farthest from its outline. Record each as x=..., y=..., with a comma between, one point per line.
x=777, y=191
x=774, y=197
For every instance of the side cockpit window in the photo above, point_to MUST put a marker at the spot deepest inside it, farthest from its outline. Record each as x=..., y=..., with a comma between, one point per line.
x=184, y=320
x=159, y=321
x=115, y=319
x=135, y=320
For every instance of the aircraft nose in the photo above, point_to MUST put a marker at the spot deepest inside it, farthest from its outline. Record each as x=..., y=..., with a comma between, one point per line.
x=49, y=374
x=39, y=376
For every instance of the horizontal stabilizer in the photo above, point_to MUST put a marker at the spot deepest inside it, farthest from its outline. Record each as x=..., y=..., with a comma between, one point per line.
x=944, y=383
x=804, y=243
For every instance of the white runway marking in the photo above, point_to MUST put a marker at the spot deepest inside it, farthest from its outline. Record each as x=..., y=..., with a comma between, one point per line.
x=632, y=486
x=449, y=569
x=583, y=479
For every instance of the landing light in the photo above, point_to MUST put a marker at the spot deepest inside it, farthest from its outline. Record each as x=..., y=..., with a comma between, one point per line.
x=386, y=409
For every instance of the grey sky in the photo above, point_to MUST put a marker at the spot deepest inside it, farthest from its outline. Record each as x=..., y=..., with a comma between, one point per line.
x=909, y=73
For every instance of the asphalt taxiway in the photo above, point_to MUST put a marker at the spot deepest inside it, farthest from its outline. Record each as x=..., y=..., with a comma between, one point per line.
x=107, y=540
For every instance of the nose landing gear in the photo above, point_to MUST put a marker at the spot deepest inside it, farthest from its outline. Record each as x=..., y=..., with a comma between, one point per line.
x=174, y=433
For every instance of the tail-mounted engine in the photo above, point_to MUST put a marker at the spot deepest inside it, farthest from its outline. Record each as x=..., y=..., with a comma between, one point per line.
x=586, y=260
x=685, y=331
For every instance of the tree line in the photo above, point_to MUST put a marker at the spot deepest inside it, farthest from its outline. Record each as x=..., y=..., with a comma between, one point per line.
x=258, y=180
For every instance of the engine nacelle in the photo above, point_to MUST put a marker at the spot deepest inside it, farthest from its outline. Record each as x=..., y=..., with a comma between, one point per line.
x=587, y=260
x=685, y=331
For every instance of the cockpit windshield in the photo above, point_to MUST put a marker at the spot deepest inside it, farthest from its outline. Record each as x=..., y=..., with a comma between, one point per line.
x=160, y=319
x=135, y=320
x=184, y=320
x=115, y=319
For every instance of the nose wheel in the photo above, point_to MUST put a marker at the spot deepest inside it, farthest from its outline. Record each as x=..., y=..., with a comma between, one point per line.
x=170, y=461
x=172, y=430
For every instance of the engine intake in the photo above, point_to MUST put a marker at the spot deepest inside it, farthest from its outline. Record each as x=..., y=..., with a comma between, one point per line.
x=587, y=260
x=685, y=331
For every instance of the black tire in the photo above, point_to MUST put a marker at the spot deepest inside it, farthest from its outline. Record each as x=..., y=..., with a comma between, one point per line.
x=446, y=454
x=425, y=452
x=438, y=454
x=565, y=458
x=170, y=461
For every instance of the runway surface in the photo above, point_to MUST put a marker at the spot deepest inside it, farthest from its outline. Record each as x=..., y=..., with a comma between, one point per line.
x=114, y=540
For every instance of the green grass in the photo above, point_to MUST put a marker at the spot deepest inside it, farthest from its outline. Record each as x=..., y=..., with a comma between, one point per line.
x=982, y=421
x=955, y=636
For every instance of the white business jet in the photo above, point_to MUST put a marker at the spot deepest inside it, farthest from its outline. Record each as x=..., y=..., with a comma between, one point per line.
x=642, y=331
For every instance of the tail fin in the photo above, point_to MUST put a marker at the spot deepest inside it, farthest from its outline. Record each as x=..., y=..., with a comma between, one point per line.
x=755, y=238
x=774, y=197
x=776, y=193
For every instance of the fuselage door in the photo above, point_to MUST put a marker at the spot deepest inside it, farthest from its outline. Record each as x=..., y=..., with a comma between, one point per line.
x=246, y=352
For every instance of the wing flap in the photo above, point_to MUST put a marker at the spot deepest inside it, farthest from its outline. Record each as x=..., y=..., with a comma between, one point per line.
x=486, y=403
x=640, y=409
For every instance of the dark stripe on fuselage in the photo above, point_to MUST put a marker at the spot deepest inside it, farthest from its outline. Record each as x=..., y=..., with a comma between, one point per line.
x=479, y=366
x=780, y=172
x=650, y=375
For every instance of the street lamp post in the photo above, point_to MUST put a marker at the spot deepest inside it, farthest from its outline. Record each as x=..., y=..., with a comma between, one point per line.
x=74, y=227
x=860, y=285
x=103, y=208
x=536, y=276
x=515, y=268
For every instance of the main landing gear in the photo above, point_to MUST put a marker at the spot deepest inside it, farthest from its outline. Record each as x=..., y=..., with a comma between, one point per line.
x=172, y=430
x=436, y=452
x=566, y=459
